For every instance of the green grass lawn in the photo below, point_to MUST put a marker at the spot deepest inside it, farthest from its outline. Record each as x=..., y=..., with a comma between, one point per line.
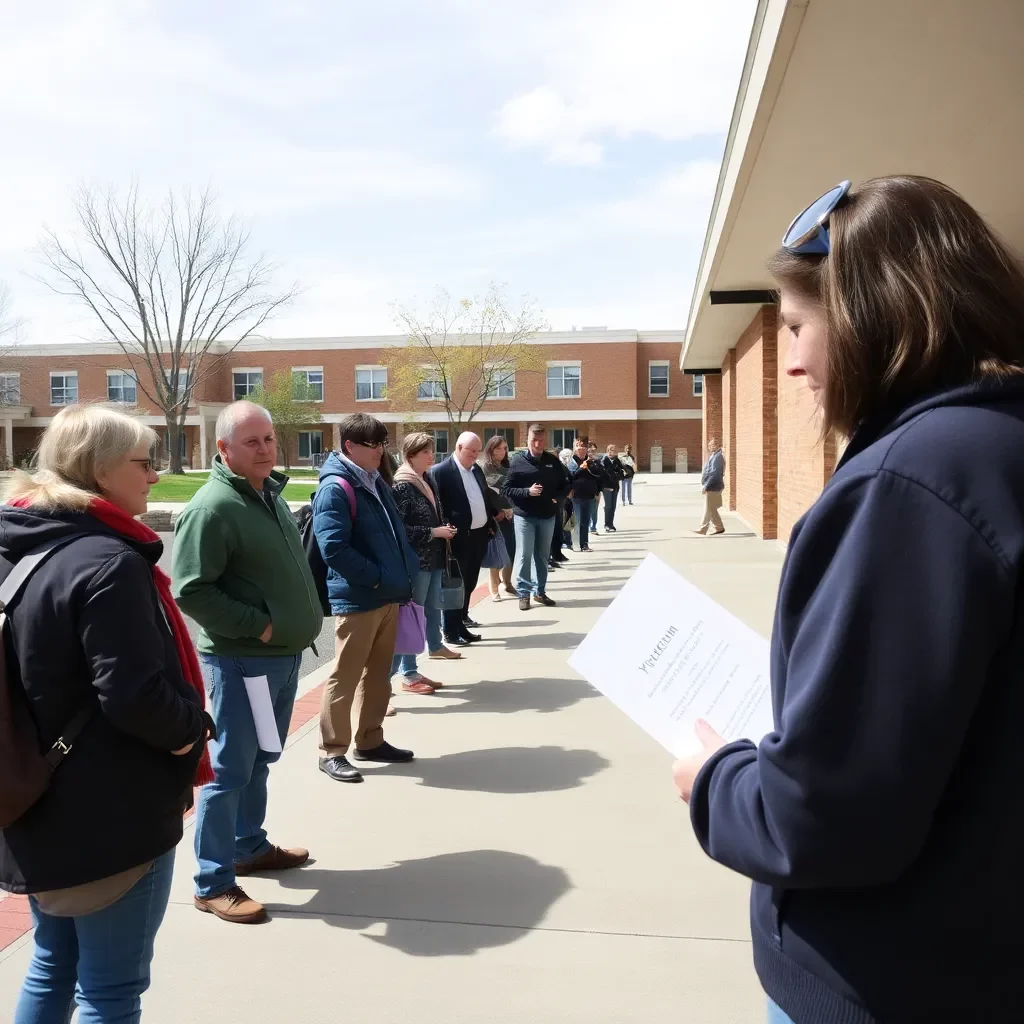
x=181, y=488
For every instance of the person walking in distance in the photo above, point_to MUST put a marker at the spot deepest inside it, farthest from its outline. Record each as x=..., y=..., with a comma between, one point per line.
x=536, y=485
x=423, y=516
x=712, y=483
x=240, y=572
x=371, y=568
x=470, y=507
x=629, y=471
x=614, y=474
x=586, y=480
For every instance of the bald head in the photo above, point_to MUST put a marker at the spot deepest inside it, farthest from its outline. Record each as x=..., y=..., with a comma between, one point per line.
x=234, y=415
x=247, y=442
x=467, y=449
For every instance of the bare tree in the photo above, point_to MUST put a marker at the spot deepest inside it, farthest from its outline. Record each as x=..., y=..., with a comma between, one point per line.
x=166, y=284
x=460, y=353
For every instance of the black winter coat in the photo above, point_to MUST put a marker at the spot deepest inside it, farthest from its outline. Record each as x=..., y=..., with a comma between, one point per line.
x=586, y=483
x=86, y=629
x=420, y=518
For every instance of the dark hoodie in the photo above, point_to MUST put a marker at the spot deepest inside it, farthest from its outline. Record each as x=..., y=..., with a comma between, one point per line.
x=883, y=821
x=87, y=630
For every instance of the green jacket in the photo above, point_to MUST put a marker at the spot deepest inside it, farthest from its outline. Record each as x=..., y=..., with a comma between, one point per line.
x=239, y=567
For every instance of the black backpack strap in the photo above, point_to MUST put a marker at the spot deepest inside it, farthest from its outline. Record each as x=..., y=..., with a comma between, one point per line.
x=9, y=590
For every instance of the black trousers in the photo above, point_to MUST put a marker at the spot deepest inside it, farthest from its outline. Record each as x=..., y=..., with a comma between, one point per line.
x=469, y=550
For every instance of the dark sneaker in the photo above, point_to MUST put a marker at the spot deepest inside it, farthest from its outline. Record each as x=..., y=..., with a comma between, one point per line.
x=339, y=769
x=524, y=603
x=385, y=754
x=544, y=600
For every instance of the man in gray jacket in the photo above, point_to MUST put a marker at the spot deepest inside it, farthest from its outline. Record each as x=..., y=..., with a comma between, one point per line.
x=712, y=483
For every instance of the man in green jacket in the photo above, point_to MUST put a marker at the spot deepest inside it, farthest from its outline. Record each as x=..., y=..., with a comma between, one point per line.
x=240, y=572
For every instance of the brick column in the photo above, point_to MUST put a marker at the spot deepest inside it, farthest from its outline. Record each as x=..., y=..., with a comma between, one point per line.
x=711, y=425
x=521, y=437
x=729, y=427
x=336, y=437
x=770, y=422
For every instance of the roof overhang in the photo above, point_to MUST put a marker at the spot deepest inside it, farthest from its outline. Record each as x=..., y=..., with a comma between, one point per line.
x=835, y=89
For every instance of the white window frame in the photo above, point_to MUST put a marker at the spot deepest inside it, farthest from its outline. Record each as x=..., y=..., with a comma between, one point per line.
x=7, y=391
x=183, y=378
x=306, y=371
x=65, y=374
x=698, y=385
x=248, y=370
x=659, y=364
x=123, y=374
x=510, y=374
x=503, y=432
x=441, y=456
x=308, y=434
x=436, y=378
x=552, y=430
x=371, y=368
x=552, y=364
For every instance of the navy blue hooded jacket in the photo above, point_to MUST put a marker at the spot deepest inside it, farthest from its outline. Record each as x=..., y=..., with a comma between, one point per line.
x=370, y=562
x=883, y=821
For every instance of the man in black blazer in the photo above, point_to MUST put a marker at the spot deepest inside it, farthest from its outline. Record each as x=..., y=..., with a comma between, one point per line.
x=470, y=507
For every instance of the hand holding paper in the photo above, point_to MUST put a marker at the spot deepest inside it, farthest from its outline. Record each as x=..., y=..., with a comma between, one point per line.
x=668, y=655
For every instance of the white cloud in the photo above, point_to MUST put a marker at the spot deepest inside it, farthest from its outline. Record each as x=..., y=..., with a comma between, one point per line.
x=619, y=68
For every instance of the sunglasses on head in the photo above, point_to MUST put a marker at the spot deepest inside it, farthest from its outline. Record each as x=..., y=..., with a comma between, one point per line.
x=807, y=234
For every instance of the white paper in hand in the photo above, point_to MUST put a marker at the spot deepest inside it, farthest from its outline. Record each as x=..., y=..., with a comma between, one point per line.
x=666, y=655
x=258, y=689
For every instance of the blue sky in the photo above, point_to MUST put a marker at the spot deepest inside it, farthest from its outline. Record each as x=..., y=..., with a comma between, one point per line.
x=568, y=148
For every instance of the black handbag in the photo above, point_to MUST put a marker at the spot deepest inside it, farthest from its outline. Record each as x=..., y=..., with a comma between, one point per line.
x=453, y=589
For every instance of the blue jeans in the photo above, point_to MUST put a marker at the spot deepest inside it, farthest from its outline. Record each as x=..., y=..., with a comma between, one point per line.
x=426, y=590
x=230, y=810
x=593, y=512
x=626, y=491
x=100, y=960
x=586, y=512
x=776, y=1016
x=533, y=549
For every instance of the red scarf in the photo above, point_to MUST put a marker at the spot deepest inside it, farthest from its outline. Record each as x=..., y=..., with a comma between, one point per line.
x=119, y=520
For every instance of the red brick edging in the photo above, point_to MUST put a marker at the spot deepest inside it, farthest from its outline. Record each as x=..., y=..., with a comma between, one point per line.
x=15, y=916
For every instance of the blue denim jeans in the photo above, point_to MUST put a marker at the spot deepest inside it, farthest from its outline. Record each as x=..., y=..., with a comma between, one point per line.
x=593, y=512
x=101, y=960
x=585, y=512
x=231, y=809
x=426, y=590
x=611, y=498
x=533, y=549
x=776, y=1016
x=626, y=490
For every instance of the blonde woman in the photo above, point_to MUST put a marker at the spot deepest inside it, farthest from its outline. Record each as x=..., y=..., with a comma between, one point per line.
x=495, y=467
x=95, y=633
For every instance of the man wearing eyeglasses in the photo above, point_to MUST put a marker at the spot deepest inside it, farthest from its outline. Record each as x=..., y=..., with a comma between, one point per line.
x=370, y=571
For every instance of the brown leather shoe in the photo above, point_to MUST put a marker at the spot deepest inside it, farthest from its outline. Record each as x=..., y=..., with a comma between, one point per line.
x=232, y=906
x=275, y=859
x=419, y=686
x=445, y=654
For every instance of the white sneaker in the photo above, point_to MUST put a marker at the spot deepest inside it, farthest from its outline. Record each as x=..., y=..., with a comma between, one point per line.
x=496, y=597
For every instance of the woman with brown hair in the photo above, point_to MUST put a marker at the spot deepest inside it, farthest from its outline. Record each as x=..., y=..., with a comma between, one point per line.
x=495, y=466
x=883, y=820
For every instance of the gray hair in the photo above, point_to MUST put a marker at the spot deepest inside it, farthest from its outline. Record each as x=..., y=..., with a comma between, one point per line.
x=465, y=437
x=233, y=414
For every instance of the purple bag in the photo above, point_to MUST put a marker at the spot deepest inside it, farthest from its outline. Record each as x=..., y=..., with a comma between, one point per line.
x=411, y=637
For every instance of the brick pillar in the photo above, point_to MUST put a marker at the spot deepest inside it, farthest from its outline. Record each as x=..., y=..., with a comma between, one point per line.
x=711, y=414
x=592, y=434
x=521, y=438
x=770, y=422
x=728, y=379
x=336, y=437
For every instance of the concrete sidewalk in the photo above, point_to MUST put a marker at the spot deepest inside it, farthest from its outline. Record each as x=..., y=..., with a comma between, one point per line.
x=534, y=863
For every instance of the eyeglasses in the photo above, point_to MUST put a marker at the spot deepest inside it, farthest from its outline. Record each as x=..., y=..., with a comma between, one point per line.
x=375, y=445
x=146, y=464
x=807, y=234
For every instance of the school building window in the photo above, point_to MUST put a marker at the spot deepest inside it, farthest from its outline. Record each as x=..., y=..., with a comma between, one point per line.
x=10, y=389
x=312, y=380
x=121, y=387
x=563, y=437
x=698, y=385
x=563, y=380
x=245, y=382
x=440, y=445
x=657, y=379
x=371, y=382
x=311, y=442
x=64, y=388
x=508, y=433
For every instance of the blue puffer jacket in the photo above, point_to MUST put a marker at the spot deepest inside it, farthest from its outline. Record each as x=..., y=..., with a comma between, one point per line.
x=370, y=563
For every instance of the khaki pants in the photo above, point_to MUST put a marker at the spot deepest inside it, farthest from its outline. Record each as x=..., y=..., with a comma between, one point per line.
x=712, y=503
x=359, y=686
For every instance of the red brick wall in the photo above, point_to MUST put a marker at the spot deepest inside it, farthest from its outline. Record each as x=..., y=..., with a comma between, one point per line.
x=757, y=424
x=805, y=462
x=670, y=434
x=712, y=418
x=729, y=427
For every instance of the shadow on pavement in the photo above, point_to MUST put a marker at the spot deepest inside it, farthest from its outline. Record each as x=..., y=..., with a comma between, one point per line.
x=601, y=603
x=508, y=696
x=503, y=770
x=503, y=892
x=554, y=641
